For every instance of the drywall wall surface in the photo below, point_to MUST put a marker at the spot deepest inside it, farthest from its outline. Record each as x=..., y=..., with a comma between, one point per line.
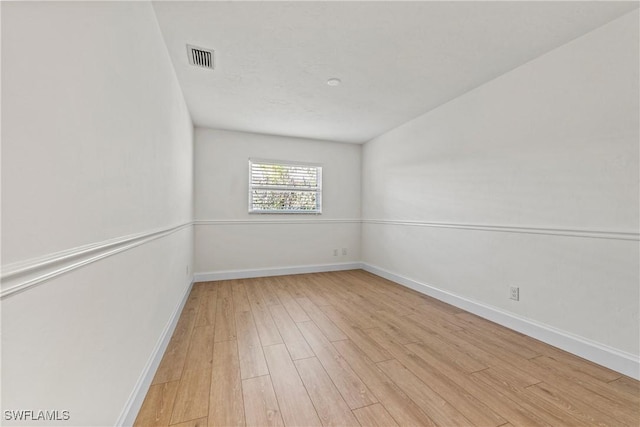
x=228, y=238
x=81, y=342
x=530, y=180
x=97, y=203
x=87, y=96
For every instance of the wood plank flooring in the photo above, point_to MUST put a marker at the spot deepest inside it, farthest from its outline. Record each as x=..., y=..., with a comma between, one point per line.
x=350, y=348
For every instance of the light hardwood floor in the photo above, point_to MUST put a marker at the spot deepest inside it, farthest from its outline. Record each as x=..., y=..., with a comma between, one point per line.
x=350, y=348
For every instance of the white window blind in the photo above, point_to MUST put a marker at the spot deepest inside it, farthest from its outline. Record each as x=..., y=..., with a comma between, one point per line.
x=284, y=187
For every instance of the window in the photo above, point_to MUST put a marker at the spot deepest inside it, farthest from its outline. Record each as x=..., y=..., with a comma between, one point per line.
x=284, y=187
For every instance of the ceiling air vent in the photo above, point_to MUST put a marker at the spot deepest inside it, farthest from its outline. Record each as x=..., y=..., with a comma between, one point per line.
x=200, y=57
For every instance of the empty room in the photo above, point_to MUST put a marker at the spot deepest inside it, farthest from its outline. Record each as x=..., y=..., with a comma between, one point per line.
x=320, y=213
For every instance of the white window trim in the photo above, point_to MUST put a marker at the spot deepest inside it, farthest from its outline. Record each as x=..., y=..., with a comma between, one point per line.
x=318, y=211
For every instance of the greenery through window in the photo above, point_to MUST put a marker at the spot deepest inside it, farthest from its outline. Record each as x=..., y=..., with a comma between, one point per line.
x=282, y=187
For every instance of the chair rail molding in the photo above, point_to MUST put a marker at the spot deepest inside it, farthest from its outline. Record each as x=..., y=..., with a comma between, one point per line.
x=265, y=221
x=552, y=231
x=23, y=275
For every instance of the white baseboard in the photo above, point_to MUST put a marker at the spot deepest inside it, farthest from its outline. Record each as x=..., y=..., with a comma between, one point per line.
x=619, y=361
x=276, y=271
x=136, y=398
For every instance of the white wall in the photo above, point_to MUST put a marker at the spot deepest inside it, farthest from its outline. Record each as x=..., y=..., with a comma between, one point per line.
x=228, y=238
x=97, y=147
x=550, y=145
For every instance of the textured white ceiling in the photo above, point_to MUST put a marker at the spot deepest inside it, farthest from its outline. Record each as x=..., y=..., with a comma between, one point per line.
x=396, y=60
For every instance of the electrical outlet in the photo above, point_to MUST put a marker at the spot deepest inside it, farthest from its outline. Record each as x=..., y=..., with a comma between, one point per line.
x=344, y=251
x=514, y=293
x=187, y=270
x=335, y=252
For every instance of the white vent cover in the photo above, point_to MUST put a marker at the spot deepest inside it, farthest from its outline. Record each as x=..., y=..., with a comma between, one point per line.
x=200, y=57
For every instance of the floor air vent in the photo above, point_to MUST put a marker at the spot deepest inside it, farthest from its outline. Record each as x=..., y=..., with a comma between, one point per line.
x=200, y=57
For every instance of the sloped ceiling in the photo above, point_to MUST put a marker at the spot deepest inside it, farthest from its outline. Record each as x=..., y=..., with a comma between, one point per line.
x=396, y=60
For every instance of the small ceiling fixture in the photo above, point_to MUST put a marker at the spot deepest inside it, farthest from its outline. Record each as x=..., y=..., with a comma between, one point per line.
x=334, y=81
x=200, y=57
